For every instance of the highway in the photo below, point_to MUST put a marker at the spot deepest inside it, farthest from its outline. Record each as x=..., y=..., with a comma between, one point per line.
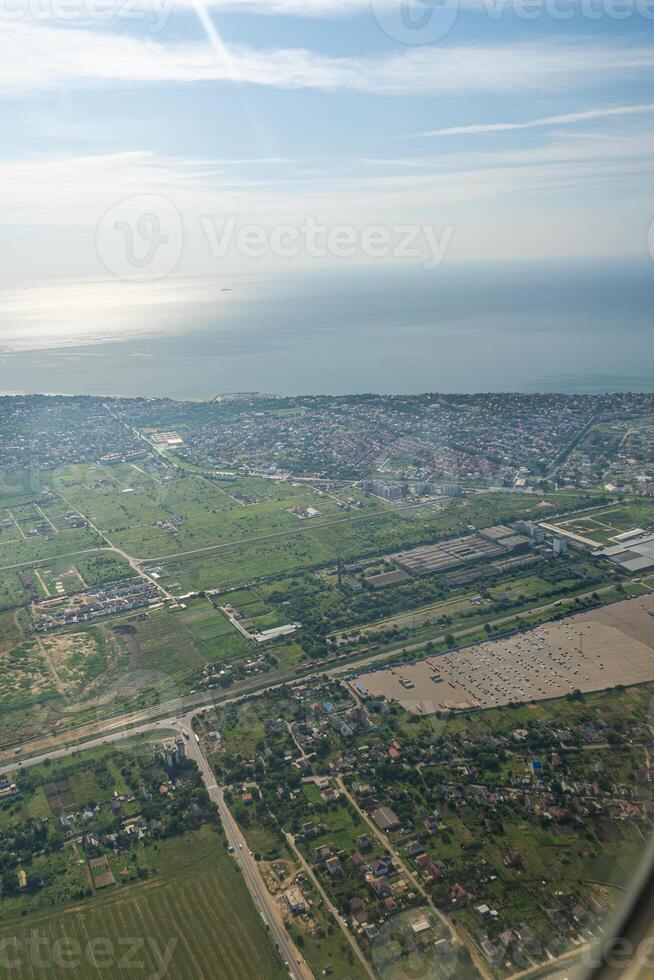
x=82, y=746
x=123, y=725
x=263, y=900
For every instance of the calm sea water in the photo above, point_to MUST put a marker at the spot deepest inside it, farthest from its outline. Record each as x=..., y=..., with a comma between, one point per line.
x=574, y=327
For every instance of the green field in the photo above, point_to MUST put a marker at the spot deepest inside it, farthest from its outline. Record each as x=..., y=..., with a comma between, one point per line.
x=603, y=524
x=196, y=910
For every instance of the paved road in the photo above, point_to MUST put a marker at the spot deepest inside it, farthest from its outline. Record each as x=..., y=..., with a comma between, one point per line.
x=263, y=900
x=83, y=745
x=251, y=688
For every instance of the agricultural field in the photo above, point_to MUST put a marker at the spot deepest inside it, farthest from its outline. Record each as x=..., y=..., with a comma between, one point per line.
x=196, y=911
x=175, y=886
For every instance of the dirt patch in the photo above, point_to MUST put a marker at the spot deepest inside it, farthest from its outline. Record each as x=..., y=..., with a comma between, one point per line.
x=59, y=797
x=74, y=657
x=101, y=873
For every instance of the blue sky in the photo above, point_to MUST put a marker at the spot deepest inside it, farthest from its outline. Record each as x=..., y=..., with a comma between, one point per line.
x=526, y=130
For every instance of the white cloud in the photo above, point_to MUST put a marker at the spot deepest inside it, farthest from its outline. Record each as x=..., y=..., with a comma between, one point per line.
x=40, y=57
x=565, y=119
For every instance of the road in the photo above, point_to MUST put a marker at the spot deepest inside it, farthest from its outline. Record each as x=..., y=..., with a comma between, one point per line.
x=263, y=900
x=162, y=724
x=449, y=923
x=134, y=564
x=338, y=918
x=44, y=747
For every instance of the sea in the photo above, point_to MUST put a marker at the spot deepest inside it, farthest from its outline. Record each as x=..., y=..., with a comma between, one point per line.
x=545, y=326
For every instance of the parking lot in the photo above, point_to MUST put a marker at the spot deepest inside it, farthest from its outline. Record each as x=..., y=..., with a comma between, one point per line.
x=589, y=652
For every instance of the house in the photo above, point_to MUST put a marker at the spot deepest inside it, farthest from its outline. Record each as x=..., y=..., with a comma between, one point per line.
x=22, y=879
x=363, y=842
x=359, y=910
x=359, y=861
x=422, y=861
x=490, y=951
x=580, y=915
x=459, y=895
x=333, y=865
x=390, y=904
x=413, y=849
x=385, y=819
x=381, y=887
x=295, y=900
x=433, y=870
x=529, y=940
x=309, y=829
x=557, y=918
x=323, y=852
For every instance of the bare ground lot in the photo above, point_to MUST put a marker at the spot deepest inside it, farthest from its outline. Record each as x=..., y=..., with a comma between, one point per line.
x=589, y=652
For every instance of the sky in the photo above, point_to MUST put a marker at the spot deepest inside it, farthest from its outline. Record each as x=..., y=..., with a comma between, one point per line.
x=158, y=139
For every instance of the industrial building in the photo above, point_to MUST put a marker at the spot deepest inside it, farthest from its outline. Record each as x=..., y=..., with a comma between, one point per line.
x=633, y=554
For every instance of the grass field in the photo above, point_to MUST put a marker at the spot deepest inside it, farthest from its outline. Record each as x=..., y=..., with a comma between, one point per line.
x=196, y=911
x=603, y=524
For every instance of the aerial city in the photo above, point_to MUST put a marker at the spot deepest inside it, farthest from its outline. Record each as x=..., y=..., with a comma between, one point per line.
x=343, y=686
x=326, y=490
